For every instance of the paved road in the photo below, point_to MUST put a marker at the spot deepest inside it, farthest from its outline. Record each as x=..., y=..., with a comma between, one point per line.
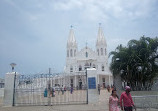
x=102, y=105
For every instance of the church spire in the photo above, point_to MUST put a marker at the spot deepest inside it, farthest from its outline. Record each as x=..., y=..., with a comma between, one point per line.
x=100, y=38
x=71, y=40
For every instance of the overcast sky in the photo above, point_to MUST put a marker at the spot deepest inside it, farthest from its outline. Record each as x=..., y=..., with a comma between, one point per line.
x=33, y=33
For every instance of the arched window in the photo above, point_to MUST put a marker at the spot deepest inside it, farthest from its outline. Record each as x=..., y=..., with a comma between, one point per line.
x=102, y=68
x=71, y=82
x=80, y=68
x=71, y=69
x=98, y=51
x=86, y=54
x=101, y=51
x=71, y=52
x=94, y=66
x=105, y=51
x=67, y=53
x=86, y=65
x=74, y=53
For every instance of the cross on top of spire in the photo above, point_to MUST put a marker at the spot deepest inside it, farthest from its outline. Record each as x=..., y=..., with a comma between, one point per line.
x=99, y=24
x=71, y=26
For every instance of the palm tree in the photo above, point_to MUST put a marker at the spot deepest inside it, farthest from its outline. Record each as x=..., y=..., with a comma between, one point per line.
x=136, y=62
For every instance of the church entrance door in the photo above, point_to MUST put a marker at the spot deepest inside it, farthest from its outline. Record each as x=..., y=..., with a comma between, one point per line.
x=103, y=85
x=80, y=85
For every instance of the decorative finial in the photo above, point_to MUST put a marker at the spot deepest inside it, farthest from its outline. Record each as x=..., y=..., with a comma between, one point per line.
x=99, y=24
x=71, y=26
x=12, y=65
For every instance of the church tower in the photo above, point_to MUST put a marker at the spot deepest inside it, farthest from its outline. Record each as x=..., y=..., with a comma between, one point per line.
x=72, y=49
x=101, y=51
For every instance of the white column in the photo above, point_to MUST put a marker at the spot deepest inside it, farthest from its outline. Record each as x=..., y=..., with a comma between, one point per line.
x=75, y=81
x=93, y=96
x=64, y=76
x=109, y=80
x=101, y=80
x=54, y=81
x=97, y=79
x=60, y=81
x=9, y=88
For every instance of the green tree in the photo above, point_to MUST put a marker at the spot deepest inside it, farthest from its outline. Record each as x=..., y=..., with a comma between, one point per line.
x=136, y=63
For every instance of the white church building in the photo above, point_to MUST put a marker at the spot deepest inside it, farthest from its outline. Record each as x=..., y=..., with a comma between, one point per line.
x=78, y=60
x=75, y=70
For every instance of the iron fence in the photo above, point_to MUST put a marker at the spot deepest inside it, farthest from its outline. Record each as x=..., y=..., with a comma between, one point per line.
x=49, y=89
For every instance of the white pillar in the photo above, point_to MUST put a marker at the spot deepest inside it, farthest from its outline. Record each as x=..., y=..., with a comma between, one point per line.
x=93, y=95
x=97, y=79
x=60, y=81
x=109, y=81
x=75, y=81
x=118, y=82
x=101, y=80
x=64, y=80
x=9, y=88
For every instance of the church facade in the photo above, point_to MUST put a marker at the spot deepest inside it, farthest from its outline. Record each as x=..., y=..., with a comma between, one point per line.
x=78, y=60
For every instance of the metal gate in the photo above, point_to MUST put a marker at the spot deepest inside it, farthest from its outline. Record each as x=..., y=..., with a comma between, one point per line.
x=50, y=89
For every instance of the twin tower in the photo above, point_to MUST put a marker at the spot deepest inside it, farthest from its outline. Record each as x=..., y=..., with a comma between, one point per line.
x=77, y=61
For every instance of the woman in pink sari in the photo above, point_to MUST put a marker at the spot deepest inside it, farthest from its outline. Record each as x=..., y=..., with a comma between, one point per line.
x=114, y=102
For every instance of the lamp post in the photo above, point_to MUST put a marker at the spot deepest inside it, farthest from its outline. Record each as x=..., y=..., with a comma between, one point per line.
x=86, y=66
x=12, y=65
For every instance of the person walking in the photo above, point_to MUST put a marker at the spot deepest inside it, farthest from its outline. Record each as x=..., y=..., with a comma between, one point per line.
x=53, y=92
x=71, y=90
x=114, y=102
x=126, y=101
x=108, y=88
x=45, y=92
x=99, y=89
x=62, y=89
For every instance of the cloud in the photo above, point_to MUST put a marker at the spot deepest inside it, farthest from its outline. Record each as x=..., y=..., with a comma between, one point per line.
x=67, y=5
x=93, y=10
x=27, y=14
x=119, y=9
